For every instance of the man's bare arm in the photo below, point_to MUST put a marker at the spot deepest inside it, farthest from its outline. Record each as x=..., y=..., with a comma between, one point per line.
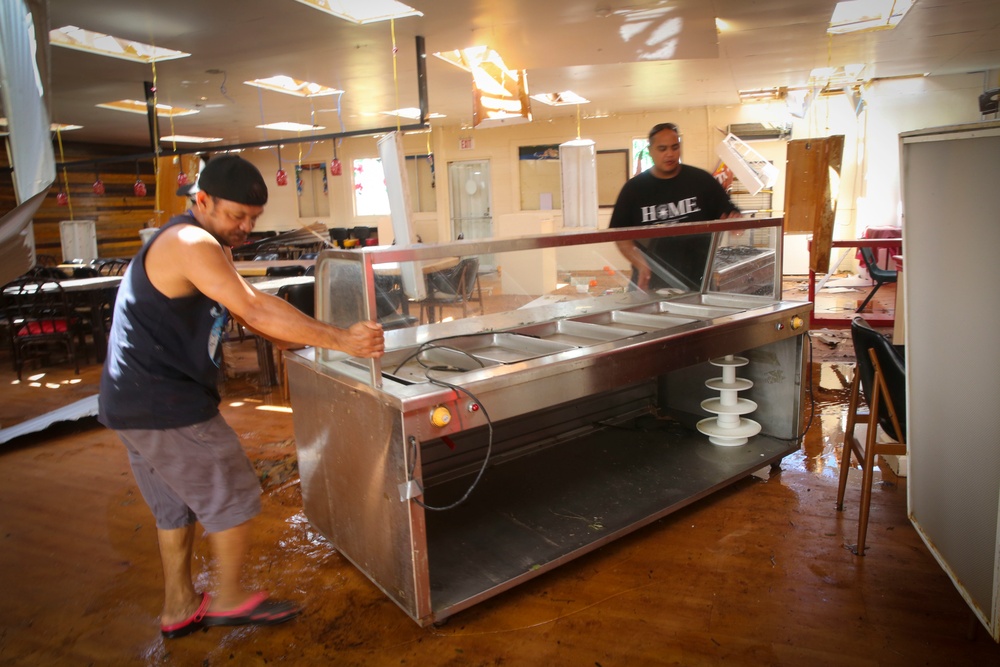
x=192, y=260
x=635, y=257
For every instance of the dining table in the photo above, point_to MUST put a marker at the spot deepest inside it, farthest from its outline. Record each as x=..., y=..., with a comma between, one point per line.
x=93, y=296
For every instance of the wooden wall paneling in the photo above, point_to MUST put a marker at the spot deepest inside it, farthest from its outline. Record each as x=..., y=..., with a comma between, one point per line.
x=118, y=213
x=167, y=174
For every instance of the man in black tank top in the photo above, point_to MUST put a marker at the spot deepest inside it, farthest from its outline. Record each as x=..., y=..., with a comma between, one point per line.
x=158, y=391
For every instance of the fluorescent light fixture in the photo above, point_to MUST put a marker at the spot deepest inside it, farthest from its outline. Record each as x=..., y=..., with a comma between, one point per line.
x=859, y=15
x=578, y=175
x=363, y=11
x=500, y=95
x=287, y=126
x=466, y=58
x=61, y=127
x=98, y=43
x=186, y=139
x=289, y=86
x=564, y=98
x=135, y=106
x=761, y=95
x=509, y=107
x=412, y=113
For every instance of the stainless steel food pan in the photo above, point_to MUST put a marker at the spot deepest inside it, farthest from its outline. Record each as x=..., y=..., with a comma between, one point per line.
x=505, y=348
x=581, y=334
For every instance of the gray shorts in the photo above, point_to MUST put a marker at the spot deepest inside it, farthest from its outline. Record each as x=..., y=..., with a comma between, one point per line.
x=194, y=473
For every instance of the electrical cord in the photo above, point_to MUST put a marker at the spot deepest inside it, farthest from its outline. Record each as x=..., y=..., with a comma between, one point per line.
x=432, y=344
x=489, y=422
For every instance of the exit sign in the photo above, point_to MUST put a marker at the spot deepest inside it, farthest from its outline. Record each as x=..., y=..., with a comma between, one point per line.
x=466, y=143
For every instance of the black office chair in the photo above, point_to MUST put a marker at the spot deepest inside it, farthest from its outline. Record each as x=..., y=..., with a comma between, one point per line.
x=880, y=374
x=284, y=271
x=389, y=299
x=302, y=296
x=878, y=274
x=38, y=317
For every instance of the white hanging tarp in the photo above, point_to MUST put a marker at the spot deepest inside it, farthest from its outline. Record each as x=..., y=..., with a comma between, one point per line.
x=31, y=152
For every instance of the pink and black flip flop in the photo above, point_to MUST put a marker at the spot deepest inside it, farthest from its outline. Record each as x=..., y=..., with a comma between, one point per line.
x=257, y=610
x=190, y=624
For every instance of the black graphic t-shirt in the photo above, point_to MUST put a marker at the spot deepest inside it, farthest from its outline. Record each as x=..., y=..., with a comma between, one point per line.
x=691, y=196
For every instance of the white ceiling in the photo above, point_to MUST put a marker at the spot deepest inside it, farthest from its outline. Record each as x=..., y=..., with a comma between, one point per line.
x=563, y=44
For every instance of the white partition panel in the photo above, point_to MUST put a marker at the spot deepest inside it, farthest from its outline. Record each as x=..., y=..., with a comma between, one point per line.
x=951, y=196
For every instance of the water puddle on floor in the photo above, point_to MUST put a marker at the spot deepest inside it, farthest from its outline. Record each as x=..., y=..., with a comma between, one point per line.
x=825, y=413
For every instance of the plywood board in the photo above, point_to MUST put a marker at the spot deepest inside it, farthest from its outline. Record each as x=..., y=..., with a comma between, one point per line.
x=809, y=204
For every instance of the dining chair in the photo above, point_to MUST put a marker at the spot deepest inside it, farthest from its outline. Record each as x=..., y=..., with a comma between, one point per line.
x=878, y=274
x=455, y=287
x=880, y=375
x=302, y=296
x=38, y=317
x=338, y=235
x=113, y=267
x=362, y=233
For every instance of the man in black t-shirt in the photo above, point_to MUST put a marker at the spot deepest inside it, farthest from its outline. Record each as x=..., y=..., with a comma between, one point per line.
x=667, y=193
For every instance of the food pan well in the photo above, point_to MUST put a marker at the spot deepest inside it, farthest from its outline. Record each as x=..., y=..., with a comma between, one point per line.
x=442, y=362
x=506, y=348
x=579, y=334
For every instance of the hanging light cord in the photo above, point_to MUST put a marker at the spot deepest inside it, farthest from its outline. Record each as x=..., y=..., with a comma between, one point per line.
x=62, y=159
x=395, y=78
